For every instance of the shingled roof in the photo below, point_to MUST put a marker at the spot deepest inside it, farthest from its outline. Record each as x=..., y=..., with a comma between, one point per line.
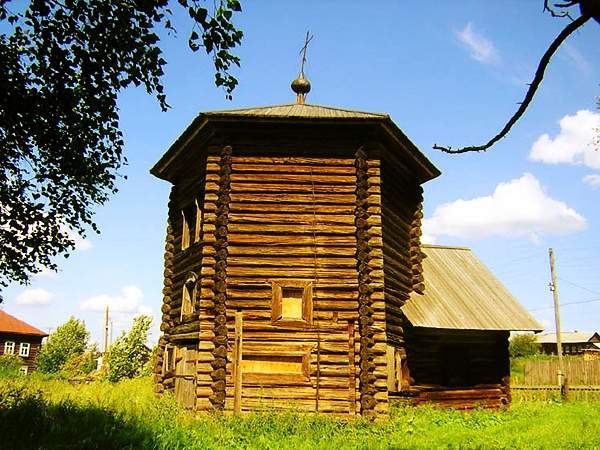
x=462, y=294
x=12, y=325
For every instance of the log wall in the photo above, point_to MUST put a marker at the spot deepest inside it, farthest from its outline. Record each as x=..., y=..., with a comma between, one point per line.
x=276, y=218
x=458, y=368
x=291, y=222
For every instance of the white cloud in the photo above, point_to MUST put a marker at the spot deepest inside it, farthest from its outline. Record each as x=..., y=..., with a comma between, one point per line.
x=47, y=273
x=520, y=207
x=592, y=180
x=122, y=308
x=479, y=48
x=129, y=301
x=80, y=243
x=34, y=297
x=574, y=143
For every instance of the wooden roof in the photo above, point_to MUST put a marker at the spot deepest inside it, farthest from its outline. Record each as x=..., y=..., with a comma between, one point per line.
x=574, y=337
x=297, y=110
x=12, y=325
x=296, y=113
x=462, y=294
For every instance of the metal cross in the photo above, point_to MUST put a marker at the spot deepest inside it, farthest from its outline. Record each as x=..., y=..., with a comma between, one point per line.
x=303, y=50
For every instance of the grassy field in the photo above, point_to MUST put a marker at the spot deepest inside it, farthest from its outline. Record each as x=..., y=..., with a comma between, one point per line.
x=37, y=414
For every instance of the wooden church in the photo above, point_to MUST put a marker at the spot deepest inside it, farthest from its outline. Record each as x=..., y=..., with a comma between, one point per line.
x=293, y=242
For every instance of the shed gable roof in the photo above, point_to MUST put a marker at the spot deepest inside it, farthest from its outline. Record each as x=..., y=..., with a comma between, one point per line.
x=462, y=294
x=10, y=324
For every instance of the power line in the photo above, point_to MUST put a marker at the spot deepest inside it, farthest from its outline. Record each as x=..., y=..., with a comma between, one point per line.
x=567, y=304
x=580, y=287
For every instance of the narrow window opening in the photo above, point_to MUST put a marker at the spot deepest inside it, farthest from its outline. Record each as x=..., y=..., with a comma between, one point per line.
x=168, y=359
x=192, y=225
x=188, y=299
x=188, y=228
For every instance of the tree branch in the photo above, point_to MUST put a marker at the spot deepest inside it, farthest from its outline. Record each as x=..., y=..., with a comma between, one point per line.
x=539, y=76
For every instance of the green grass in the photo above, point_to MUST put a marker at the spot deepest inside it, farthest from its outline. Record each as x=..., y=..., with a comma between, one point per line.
x=54, y=414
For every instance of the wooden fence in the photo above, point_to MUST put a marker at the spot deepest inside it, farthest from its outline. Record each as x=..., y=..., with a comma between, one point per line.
x=578, y=373
x=540, y=380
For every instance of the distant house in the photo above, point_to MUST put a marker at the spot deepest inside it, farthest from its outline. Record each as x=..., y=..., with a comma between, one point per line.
x=21, y=339
x=573, y=343
x=457, y=330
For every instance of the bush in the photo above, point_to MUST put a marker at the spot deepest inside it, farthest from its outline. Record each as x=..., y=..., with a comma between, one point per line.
x=523, y=345
x=10, y=365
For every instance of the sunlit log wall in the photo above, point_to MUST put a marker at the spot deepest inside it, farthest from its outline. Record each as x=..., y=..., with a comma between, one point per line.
x=291, y=220
x=291, y=209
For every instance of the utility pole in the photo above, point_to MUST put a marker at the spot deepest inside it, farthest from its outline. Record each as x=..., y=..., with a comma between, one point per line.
x=562, y=379
x=105, y=348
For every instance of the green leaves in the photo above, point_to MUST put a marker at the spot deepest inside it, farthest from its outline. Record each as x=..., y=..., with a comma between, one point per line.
x=65, y=344
x=217, y=35
x=126, y=356
x=64, y=64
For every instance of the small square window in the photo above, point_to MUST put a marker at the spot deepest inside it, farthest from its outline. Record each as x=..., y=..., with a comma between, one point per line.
x=24, y=349
x=9, y=348
x=292, y=302
x=23, y=370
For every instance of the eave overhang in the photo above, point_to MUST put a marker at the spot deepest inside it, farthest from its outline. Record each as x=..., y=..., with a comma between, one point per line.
x=203, y=126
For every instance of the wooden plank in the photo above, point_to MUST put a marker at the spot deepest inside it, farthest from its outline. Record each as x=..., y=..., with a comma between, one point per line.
x=351, y=369
x=318, y=217
x=288, y=231
x=290, y=178
x=310, y=240
x=237, y=367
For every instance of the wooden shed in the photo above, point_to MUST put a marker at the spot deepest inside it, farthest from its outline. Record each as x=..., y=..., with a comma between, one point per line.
x=21, y=339
x=293, y=240
x=457, y=331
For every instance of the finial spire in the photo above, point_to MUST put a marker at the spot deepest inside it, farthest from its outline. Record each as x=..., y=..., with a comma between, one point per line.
x=301, y=86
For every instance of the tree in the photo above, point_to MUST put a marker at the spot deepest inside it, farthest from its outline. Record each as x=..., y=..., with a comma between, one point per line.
x=523, y=345
x=63, y=65
x=588, y=9
x=126, y=357
x=68, y=341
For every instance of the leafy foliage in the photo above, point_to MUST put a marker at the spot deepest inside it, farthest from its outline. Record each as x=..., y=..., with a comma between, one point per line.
x=10, y=365
x=523, y=345
x=126, y=357
x=81, y=363
x=65, y=344
x=63, y=65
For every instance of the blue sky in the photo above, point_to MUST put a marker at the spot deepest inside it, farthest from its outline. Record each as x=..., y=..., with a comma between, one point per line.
x=449, y=73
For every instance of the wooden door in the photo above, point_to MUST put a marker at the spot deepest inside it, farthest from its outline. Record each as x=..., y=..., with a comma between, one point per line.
x=185, y=375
